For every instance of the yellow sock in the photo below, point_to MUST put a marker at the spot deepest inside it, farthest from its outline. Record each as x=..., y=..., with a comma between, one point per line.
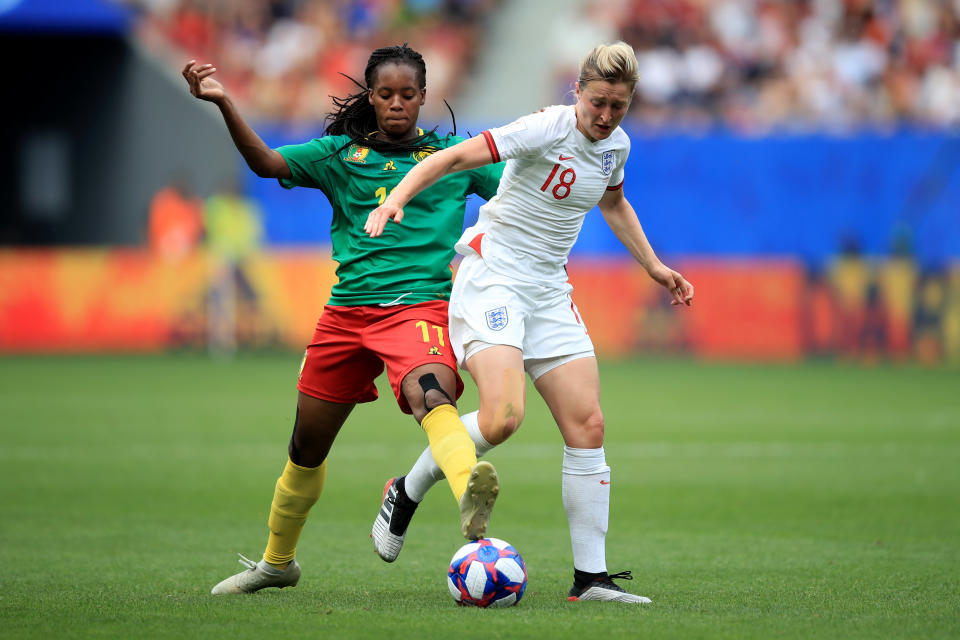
x=297, y=490
x=452, y=448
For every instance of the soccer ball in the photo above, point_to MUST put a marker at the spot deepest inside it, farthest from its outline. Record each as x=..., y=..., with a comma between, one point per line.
x=487, y=573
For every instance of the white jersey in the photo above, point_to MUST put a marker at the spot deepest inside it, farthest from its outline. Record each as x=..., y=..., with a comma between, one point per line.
x=553, y=176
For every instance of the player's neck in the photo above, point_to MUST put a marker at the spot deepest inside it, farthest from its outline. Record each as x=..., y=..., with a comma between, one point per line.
x=405, y=137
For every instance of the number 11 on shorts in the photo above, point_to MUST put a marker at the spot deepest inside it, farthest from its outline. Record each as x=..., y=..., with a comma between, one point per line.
x=425, y=328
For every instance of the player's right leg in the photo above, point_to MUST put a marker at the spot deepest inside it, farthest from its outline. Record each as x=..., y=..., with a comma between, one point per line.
x=297, y=489
x=488, y=315
x=334, y=376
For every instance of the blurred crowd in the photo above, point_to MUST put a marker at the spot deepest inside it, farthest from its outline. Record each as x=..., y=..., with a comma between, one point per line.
x=283, y=59
x=789, y=65
x=754, y=66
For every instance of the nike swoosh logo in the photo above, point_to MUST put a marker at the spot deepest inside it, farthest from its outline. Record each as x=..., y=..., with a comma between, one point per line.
x=562, y=157
x=604, y=482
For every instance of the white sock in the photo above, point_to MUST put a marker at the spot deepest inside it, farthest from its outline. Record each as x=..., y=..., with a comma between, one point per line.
x=425, y=473
x=586, y=499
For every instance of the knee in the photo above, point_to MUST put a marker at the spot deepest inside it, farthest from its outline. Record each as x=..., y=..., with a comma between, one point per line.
x=588, y=432
x=501, y=425
x=309, y=443
x=425, y=392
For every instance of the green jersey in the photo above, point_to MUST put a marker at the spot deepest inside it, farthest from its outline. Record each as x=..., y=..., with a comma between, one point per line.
x=410, y=262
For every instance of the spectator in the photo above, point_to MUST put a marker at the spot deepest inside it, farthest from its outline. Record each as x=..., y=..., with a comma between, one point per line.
x=762, y=65
x=234, y=238
x=175, y=225
x=283, y=59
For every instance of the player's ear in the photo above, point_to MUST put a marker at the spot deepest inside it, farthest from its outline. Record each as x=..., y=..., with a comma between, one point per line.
x=370, y=96
x=423, y=96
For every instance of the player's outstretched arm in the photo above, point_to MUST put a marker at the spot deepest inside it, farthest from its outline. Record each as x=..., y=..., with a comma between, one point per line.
x=619, y=214
x=264, y=161
x=469, y=154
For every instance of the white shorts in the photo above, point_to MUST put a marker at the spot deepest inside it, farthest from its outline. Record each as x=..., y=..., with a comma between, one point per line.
x=489, y=308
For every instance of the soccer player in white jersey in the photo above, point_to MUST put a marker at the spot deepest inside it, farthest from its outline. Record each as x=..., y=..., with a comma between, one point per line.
x=511, y=309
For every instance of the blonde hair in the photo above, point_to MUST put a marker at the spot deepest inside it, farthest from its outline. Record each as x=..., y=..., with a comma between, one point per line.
x=611, y=63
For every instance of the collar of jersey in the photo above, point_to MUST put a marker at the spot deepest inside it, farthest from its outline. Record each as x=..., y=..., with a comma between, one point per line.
x=419, y=133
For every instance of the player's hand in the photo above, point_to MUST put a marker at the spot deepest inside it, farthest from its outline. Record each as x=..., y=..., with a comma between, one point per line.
x=681, y=291
x=202, y=86
x=378, y=218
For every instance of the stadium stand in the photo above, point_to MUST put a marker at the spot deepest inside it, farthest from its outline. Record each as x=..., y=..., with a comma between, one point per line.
x=757, y=66
x=283, y=58
x=753, y=66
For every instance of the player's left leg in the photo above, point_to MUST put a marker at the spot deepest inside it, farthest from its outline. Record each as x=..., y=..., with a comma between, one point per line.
x=413, y=343
x=572, y=392
x=428, y=390
x=402, y=495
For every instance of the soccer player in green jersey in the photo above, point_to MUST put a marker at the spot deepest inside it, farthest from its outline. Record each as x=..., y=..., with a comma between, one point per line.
x=389, y=307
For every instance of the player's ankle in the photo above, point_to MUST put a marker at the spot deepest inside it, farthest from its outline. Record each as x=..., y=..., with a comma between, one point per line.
x=583, y=578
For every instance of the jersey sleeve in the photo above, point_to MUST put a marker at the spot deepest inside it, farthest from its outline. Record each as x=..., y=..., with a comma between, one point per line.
x=616, y=178
x=524, y=136
x=305, y=163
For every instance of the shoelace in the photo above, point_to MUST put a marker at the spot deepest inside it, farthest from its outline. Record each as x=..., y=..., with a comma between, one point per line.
x=623, y=575
x=247, y=562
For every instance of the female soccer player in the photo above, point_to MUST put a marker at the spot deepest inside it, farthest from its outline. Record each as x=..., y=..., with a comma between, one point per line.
x=389, y=307
x=511, y=310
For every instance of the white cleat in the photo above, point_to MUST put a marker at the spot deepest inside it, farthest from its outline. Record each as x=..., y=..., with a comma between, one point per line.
x=476, y=503
x=605, y=589
x=259, y=575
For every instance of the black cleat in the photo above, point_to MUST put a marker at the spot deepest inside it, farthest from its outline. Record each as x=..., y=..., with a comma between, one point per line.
x=390, y=527
x=604, y=588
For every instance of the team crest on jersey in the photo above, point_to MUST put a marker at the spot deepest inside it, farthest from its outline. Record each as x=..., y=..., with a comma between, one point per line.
x=496, y=318
x=357, y=154
x=420, y=155
x=606, y=163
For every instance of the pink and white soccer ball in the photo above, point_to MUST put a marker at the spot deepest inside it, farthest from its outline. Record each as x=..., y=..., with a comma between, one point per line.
x=487, y=573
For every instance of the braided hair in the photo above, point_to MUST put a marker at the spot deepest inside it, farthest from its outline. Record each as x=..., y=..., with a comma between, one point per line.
x=355, y=117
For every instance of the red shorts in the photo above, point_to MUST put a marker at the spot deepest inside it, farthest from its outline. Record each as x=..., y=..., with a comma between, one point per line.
x=352, y=344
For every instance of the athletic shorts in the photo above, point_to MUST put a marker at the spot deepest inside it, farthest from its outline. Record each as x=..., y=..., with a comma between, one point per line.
x=352, y=345
x=488, y=307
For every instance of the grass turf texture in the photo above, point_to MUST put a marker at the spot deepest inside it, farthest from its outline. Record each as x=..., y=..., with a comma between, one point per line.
x=750, y=501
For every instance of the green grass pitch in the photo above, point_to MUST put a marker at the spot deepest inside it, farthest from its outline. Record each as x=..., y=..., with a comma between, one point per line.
x=750, y=501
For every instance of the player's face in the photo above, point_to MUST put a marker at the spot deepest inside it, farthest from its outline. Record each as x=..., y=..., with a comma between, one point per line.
x=396, y=99
x=601, y=106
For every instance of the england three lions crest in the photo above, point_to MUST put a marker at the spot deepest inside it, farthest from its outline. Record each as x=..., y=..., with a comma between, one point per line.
x=496, y=318
x=606, y=163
